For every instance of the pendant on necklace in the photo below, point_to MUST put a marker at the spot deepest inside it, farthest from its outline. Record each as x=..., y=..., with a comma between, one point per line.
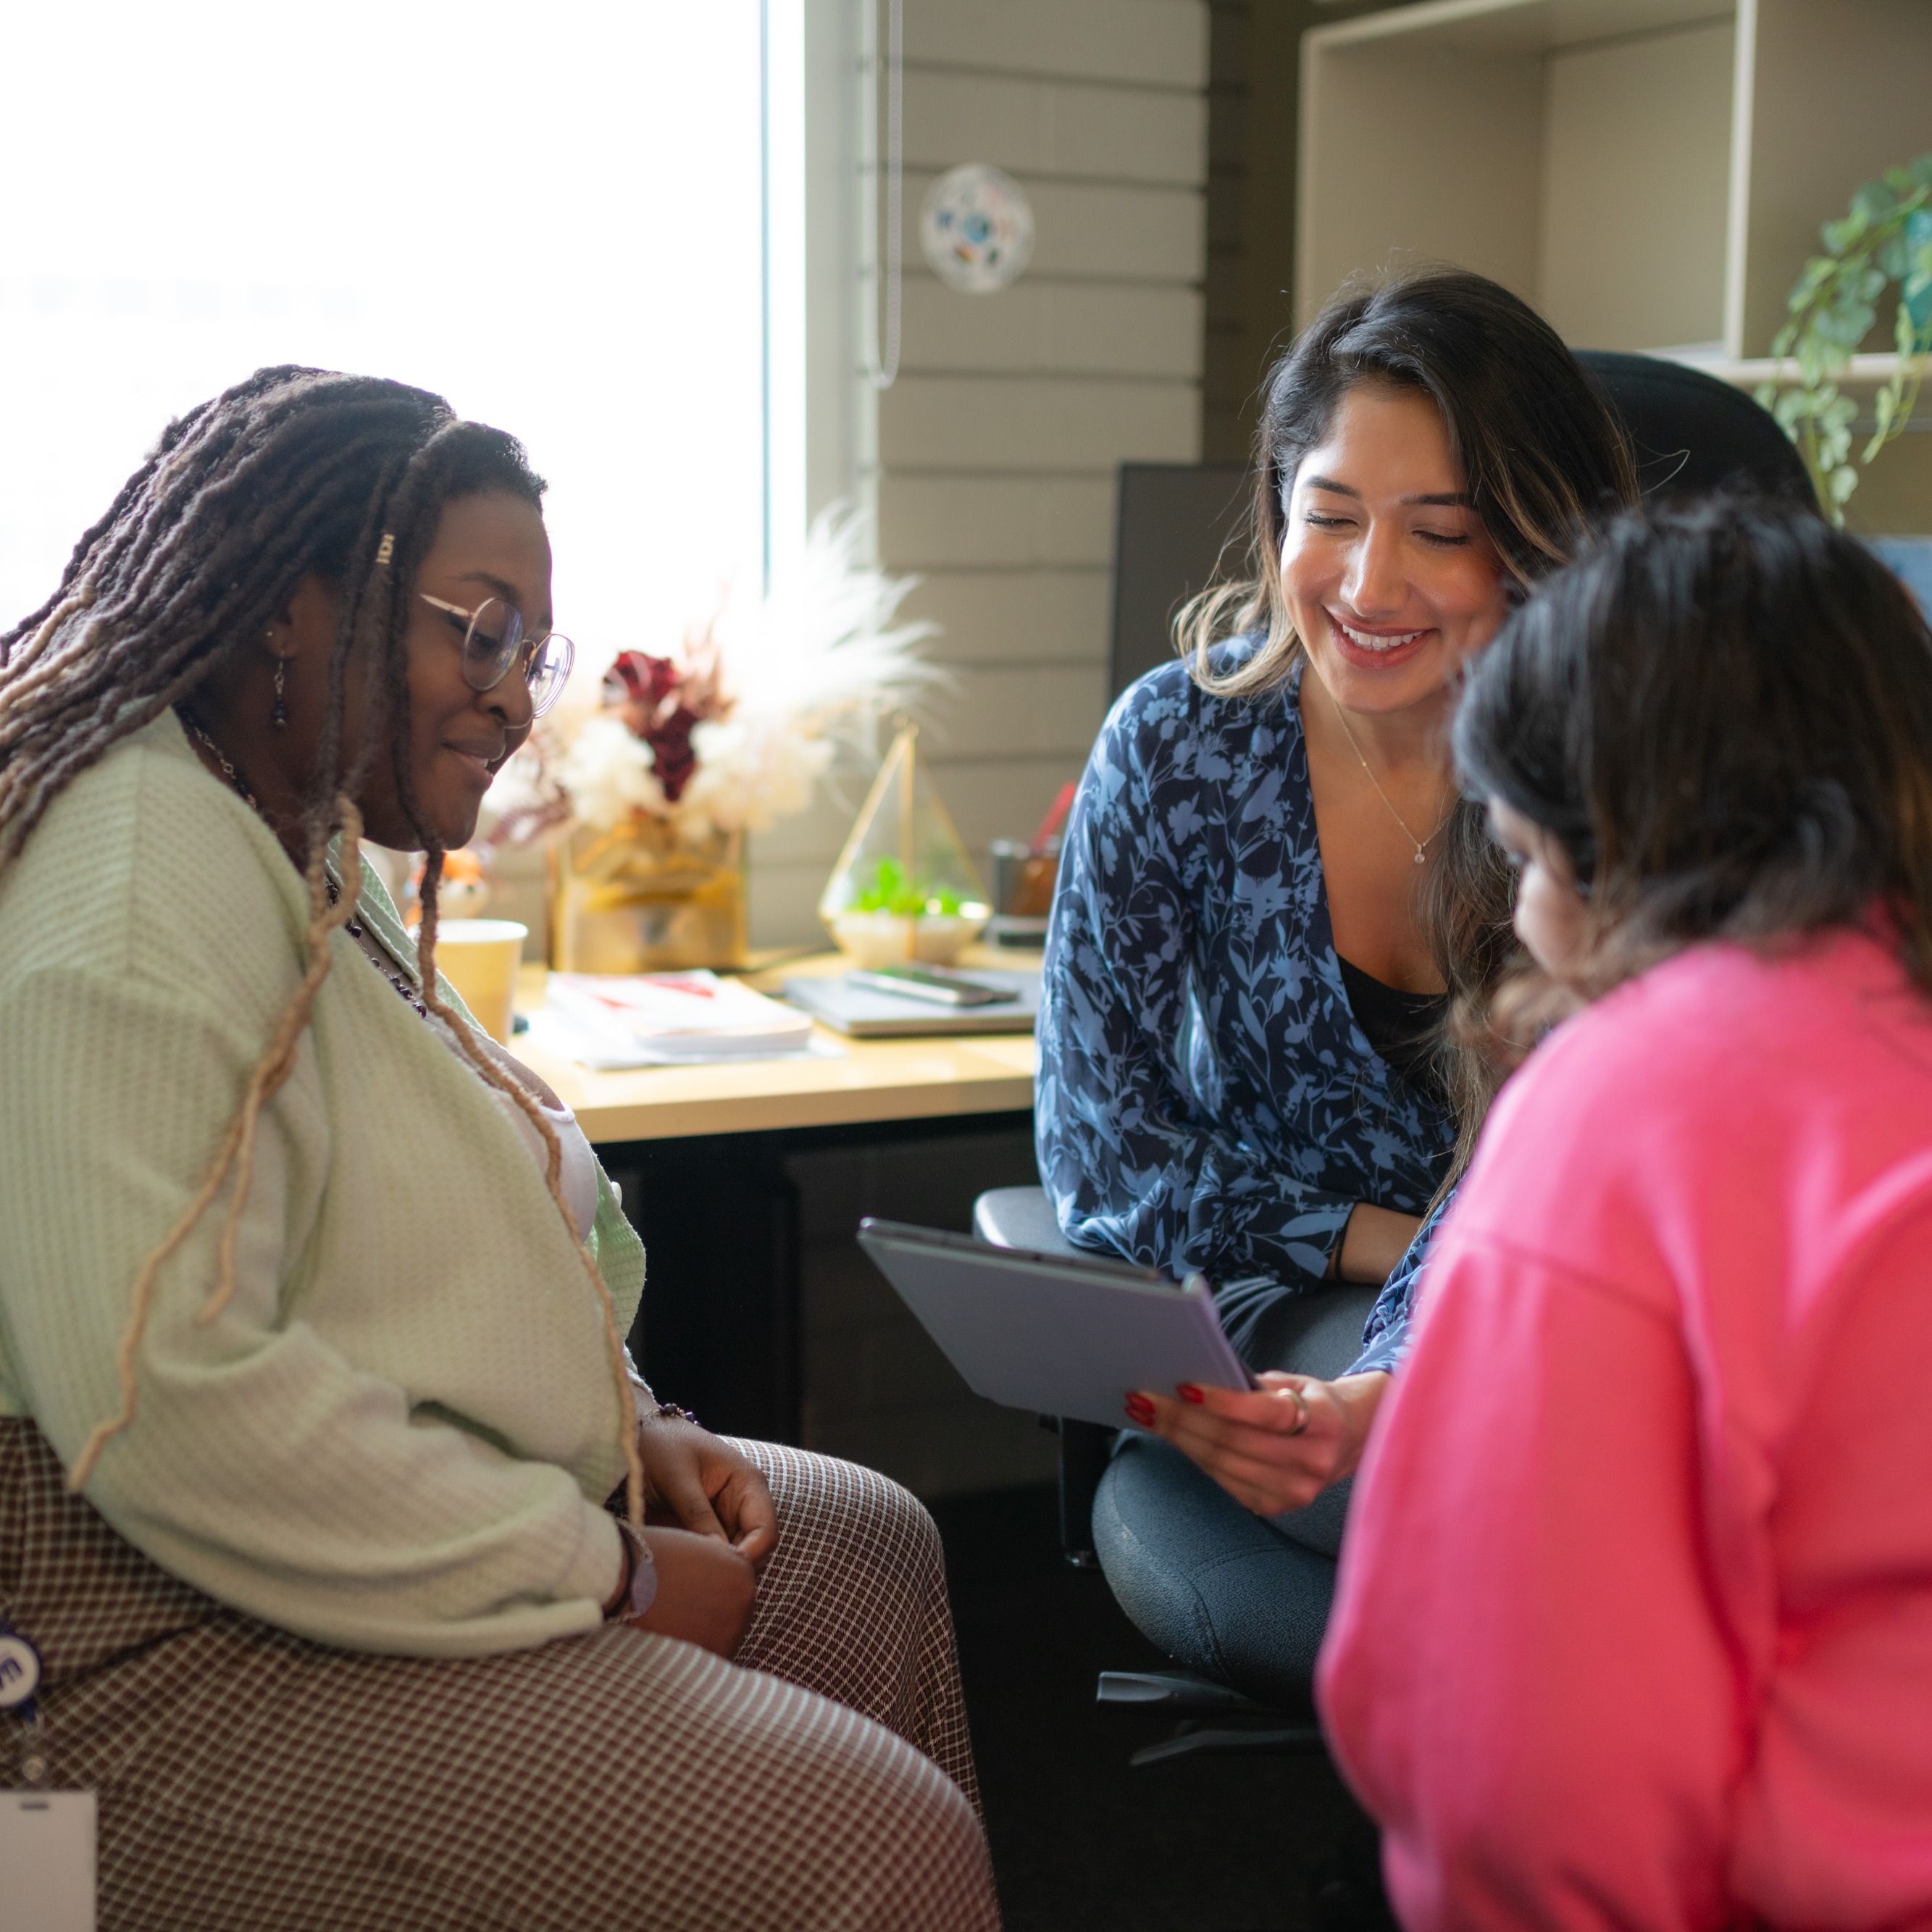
x=1419, y=859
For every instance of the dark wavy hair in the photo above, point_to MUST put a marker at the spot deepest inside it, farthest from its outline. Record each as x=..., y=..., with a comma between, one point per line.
x=1722, y=712
x=1544, y=458
x=1543, y=453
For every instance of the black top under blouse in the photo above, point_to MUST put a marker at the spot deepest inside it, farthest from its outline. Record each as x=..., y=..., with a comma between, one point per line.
x=1400, y=1026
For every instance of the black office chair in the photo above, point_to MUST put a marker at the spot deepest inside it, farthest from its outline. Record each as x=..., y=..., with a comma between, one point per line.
x=1693, y=433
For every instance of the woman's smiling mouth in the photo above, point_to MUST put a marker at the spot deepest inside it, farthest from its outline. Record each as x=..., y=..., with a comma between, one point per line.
x=1373, y=650
x=482, y=763
x=1375, y=640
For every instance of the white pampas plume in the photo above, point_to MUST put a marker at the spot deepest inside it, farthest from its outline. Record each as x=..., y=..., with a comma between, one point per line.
x=804, y=672
x=824, y=643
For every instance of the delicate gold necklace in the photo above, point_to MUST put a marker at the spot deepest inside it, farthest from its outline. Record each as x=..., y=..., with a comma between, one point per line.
x=1421, y=845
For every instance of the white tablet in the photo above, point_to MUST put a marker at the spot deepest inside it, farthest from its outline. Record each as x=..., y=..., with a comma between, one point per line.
x=1061, y=1335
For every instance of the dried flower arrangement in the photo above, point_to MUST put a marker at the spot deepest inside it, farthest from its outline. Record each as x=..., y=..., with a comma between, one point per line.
x=733, y=731
x=649, y=794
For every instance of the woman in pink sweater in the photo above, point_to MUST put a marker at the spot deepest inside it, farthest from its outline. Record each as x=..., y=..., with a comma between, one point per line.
x=1635, y=1622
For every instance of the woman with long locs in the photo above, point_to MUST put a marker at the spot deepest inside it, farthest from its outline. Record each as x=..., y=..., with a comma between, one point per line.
x=372, y=1587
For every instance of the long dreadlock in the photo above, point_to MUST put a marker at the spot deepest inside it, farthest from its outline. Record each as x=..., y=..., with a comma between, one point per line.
x=294, y=471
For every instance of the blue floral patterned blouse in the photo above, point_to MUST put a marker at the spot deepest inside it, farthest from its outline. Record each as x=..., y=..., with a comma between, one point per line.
x=1385, y=1339
x=1206, y=1099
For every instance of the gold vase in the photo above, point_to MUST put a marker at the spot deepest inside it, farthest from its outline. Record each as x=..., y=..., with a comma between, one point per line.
x=643, y=897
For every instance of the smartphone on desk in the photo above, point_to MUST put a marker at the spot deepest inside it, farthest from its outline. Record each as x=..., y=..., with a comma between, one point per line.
x=915, y=982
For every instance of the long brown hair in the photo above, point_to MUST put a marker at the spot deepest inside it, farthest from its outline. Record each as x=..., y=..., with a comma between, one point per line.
x=295, y=471
x=1542, y=456
x=1722, y=713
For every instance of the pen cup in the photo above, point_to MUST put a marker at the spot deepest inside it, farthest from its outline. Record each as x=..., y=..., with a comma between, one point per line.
x=479, y=958
x=1023, y=879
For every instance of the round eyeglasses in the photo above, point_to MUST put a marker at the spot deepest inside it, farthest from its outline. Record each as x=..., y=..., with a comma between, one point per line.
x=494, y=640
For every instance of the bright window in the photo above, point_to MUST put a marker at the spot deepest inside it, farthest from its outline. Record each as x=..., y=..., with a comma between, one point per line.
x=549, y=215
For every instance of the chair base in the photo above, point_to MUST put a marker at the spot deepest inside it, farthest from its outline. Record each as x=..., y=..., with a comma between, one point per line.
x=1177, y=1692
x=1290, y=1741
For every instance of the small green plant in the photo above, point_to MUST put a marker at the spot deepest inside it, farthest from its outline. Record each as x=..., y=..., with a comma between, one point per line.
x=1885, y=238
x=892, y=888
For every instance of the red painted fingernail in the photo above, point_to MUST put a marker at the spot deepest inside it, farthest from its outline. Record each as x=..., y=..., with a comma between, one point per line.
x=1189, y=1393
x=1139, y=1409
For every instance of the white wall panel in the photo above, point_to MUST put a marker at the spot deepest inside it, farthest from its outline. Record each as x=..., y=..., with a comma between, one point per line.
x=1021, y=616
x=1000, y=423
x=1021, y=711
x=1154, y=42
x=1055, y=128
x=1066, y=328
x=816, y=835
x=940, y=522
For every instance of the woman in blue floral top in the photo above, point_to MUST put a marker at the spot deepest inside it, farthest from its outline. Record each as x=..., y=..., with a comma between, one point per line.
x=1269, y=896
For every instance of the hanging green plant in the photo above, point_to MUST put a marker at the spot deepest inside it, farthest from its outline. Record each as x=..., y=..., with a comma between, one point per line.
x=1885, y=239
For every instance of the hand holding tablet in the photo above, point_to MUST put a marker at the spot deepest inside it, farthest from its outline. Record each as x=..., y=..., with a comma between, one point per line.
x=1061, y=1335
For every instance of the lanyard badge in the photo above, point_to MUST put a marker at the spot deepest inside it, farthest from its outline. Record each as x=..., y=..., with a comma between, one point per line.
x=46, y=1837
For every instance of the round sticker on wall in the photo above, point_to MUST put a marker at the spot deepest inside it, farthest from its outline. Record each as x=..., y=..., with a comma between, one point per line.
x=976, y=229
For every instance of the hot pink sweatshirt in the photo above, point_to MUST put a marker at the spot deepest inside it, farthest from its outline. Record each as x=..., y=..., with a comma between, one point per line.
x=1634, y=1628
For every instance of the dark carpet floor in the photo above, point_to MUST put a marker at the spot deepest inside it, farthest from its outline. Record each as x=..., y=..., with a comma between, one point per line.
x=1235, y=1843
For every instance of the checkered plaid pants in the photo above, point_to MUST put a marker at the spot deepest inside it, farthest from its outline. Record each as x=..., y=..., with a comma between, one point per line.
x=253, y=1780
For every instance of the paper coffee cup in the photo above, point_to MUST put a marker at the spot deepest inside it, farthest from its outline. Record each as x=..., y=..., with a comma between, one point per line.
x=479, y=958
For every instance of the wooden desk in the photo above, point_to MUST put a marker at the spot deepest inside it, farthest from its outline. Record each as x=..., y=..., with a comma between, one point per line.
x=867, y=1081
x=700, y=1153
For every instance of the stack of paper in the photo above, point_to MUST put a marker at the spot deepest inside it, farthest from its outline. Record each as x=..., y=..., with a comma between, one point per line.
x=657, y=1019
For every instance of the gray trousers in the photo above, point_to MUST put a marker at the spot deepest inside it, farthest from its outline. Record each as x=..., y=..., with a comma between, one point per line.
x=1243, y=1598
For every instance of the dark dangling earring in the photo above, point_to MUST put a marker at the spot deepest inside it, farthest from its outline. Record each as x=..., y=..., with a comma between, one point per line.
x=278, y=714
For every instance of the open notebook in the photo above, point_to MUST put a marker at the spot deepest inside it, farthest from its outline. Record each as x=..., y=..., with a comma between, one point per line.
x=608, y=1020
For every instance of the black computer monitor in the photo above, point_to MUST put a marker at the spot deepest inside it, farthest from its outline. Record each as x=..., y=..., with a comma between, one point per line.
x=1173, y=521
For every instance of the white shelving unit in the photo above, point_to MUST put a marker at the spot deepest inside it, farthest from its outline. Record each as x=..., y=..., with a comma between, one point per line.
x=1865, y=372
x=1650, y=173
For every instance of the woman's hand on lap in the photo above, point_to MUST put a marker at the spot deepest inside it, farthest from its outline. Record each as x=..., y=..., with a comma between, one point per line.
x=705, y=1486
x=1255, y=1442
x=706, y=1591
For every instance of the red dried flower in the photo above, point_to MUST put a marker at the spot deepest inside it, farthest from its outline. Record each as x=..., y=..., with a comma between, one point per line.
x=661, y=701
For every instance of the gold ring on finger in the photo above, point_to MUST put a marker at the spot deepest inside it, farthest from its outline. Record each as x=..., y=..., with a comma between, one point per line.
x=1301, y=1408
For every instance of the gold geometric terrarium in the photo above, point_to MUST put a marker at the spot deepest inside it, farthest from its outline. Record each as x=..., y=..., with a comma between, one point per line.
x=904, y=890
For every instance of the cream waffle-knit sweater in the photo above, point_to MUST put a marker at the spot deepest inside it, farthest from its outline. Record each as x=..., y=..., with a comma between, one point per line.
x=396, y=1436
